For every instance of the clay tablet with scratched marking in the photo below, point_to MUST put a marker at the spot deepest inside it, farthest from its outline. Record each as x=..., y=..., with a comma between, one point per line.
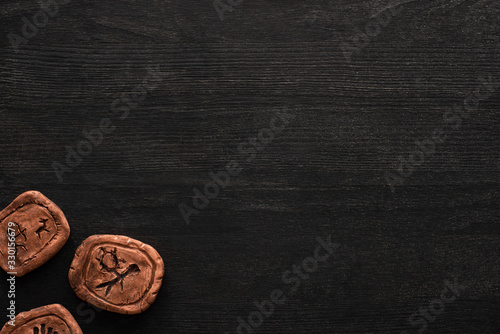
x=32, y=230
x=50, y=319
x=116, y=273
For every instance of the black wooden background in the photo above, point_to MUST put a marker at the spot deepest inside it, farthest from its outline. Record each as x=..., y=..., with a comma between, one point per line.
x=222, y=83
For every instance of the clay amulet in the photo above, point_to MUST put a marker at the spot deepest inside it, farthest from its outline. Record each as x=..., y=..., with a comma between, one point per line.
x=53, y=319
x=116, y=273
x=32, y=230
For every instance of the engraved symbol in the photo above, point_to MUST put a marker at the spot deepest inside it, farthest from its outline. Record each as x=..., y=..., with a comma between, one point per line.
x=43, y=331
x=42, y=228
x=20, y=233
x=110, y=262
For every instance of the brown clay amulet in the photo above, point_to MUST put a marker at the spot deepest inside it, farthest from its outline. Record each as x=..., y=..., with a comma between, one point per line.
x=116, y=273
x=32, y=230
x=54, y=319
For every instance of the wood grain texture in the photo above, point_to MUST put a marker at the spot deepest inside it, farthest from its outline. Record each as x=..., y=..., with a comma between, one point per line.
x=322, y=175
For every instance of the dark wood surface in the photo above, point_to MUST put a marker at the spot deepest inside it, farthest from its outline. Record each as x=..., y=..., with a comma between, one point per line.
x=224, y=81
